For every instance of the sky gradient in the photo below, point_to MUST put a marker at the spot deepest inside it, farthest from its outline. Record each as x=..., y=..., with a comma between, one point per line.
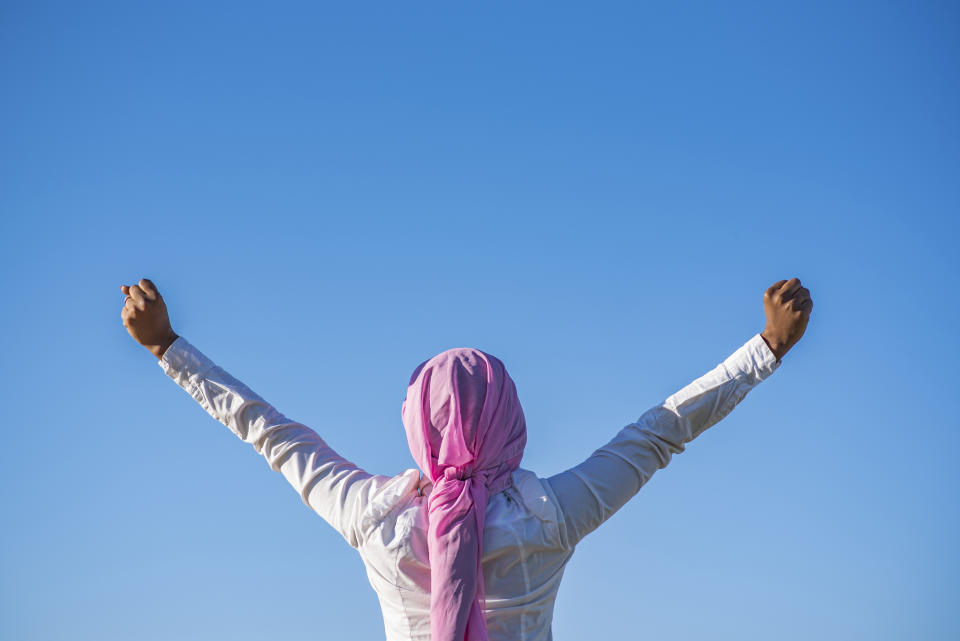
x=328, y=194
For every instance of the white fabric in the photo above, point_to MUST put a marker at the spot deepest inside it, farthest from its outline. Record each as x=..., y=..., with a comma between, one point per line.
x=531, y=528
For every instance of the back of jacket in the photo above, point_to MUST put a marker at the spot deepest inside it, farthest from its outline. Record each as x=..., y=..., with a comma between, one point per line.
x=531, y=527
x=525, y=551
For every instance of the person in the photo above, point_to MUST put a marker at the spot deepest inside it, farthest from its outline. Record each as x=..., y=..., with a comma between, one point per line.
x=475, y=547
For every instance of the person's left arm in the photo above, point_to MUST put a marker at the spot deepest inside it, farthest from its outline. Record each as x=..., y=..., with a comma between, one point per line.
x=332, y=486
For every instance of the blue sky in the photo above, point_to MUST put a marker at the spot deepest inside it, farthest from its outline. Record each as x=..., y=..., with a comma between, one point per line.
x=328, y=194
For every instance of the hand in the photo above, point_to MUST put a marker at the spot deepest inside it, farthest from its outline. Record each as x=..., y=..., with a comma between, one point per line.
x=787, y=306
x=144, y=314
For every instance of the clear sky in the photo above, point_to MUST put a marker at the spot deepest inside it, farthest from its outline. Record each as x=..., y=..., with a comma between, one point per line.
x=329, y=193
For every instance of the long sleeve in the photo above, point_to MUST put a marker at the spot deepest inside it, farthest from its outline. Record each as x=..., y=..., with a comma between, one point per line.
x=594, y=490
x=333, y=487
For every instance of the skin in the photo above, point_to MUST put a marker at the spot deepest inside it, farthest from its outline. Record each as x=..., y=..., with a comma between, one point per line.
x=786, y=303
x=144, y=314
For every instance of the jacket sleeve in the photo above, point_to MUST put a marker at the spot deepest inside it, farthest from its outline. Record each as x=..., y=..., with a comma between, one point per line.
x=333, y=487
x=591, y=492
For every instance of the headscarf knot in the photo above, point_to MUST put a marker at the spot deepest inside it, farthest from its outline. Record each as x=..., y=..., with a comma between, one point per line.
x=452, y=473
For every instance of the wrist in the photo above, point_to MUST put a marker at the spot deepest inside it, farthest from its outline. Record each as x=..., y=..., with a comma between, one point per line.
x=779, y=348
x=159, y=349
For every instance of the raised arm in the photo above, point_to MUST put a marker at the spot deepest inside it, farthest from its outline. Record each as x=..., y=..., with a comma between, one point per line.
x=594, y=490
x=335, y=488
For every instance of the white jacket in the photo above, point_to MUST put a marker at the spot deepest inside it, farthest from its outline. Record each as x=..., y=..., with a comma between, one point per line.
x=531, y=528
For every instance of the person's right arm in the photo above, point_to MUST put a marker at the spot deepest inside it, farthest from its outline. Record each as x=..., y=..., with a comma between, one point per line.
x=594, y=490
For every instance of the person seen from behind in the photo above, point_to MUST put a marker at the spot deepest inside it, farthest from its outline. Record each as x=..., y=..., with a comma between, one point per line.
x=474, y=548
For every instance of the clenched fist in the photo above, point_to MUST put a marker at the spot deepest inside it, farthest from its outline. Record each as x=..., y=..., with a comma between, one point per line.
x=144, y=314
x=787, y=306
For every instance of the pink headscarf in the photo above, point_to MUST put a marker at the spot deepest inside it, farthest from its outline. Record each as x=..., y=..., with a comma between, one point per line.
x=466, y=431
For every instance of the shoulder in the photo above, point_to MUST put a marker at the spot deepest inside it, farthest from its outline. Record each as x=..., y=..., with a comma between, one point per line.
x=535, y=494
x=388, y=494
x=385, y=494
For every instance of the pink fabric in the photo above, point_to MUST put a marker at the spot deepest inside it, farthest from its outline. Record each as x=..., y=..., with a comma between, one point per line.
x=466, y=431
